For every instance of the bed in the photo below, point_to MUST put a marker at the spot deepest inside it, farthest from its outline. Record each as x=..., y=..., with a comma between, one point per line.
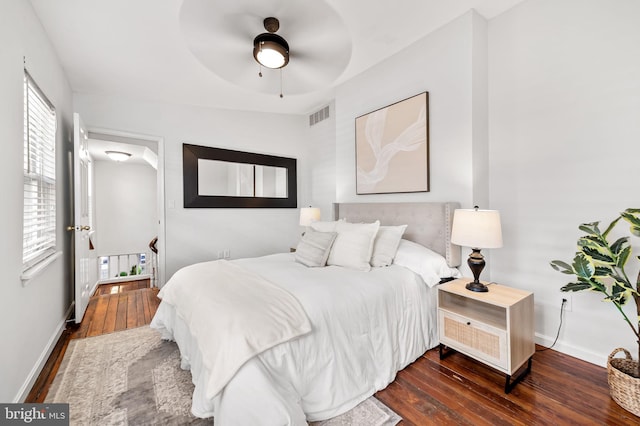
x=332, y=336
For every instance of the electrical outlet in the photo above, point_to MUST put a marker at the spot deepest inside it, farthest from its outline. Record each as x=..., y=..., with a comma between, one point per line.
x=568, y=306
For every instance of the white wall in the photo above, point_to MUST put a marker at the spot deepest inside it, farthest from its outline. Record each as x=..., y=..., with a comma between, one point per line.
x=564, y=114
x=321, y=145
x=194, y=235
x=534, y=114
x=126, y=207
x=31, y=317
x=450, y=64
x=443, y=65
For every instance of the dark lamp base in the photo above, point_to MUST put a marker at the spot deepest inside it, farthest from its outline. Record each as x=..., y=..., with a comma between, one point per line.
x=477, y=287
x=476, y=264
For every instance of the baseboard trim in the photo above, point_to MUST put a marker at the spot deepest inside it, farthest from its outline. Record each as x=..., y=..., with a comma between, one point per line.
x=42, y=360
x=574, y=351
x=95, y=286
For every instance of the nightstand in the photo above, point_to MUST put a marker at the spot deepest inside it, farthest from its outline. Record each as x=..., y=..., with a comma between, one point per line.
x=495, y=328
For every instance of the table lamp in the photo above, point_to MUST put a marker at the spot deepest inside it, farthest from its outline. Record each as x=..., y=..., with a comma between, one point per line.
x=309, y=215
x=477, y=229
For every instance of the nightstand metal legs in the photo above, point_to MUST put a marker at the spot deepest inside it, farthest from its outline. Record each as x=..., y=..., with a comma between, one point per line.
x=509, y=385
x=445, y=351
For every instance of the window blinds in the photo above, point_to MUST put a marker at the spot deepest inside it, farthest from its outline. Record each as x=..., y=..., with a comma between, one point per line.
x=39, y=217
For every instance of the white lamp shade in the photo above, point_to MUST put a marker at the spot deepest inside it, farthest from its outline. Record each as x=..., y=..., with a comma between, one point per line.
x=309, y=215
x=476, y=228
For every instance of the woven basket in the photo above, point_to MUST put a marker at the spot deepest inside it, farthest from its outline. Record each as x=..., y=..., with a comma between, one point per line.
x=623, y=387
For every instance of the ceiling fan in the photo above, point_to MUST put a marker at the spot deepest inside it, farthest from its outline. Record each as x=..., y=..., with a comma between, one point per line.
x=312, y=47
x=270, y=50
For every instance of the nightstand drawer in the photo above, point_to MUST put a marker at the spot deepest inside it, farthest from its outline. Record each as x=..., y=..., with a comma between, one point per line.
x=474, y=338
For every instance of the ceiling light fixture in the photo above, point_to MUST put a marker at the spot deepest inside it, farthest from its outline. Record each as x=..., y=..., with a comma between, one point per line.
x=118, y=155
x=270, y=50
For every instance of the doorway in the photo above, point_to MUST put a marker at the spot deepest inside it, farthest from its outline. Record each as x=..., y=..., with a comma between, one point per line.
x=127, y=199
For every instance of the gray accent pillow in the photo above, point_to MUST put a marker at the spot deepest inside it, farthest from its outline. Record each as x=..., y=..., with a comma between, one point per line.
x=314, y=247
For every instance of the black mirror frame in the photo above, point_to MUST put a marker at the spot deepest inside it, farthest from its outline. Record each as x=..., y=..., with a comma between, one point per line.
x=192, y=153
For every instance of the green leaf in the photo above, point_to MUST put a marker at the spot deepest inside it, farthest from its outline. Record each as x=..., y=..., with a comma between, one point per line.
x=590, y=228
x=620, y=281
x=583, y=267
x=596, y=248
x=594, y=241
x=597, y=255
x=623, y=257
x=611, y=226
x=619, y=245
x=632, y=216
x=602, y=271
x=579, y=286
x=619, y=294
x=595, y=284
x=561, y=266
x=617, y=300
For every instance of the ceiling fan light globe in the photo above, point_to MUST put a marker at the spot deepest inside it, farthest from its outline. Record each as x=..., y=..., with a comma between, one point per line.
x=271, y=51
x=270, y=58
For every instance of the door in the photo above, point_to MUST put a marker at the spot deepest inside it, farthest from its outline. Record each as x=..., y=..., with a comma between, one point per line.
x=85, y=276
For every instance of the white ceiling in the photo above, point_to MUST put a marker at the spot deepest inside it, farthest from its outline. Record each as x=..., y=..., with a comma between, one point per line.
x=143, y=49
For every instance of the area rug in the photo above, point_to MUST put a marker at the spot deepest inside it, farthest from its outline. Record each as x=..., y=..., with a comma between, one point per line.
x=133, y=377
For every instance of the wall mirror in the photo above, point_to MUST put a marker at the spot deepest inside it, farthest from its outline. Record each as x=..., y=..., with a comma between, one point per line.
x=219, y=178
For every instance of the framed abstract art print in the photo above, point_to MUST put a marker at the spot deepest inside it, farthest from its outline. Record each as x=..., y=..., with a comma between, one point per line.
x=392, y=148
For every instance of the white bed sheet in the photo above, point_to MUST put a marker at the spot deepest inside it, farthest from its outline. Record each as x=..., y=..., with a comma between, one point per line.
x=366, y=327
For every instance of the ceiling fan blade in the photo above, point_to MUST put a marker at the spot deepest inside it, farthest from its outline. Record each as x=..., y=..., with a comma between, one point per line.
x=220, y=34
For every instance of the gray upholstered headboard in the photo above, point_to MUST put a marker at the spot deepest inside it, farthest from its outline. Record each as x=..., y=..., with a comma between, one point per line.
x=428, y=224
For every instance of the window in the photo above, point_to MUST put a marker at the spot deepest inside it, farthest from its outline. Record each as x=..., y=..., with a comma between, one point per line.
x=39, y=216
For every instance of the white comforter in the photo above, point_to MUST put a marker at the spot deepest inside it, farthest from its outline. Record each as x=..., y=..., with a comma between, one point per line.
x=222, y=302
x=366, y=327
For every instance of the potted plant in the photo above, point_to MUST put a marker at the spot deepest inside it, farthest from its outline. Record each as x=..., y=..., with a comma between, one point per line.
x=600, y=266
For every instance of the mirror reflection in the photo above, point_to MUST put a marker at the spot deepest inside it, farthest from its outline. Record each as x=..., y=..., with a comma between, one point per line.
x=224, y=178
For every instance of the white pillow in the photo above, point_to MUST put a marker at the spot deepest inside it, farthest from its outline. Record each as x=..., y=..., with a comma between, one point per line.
x=425, y=262
x=325, y=226
x=314, y=247
x=353, y=245
x=386, y=244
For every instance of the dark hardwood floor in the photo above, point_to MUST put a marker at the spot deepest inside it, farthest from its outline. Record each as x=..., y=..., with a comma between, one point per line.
x=113, y=307
x=560, y=390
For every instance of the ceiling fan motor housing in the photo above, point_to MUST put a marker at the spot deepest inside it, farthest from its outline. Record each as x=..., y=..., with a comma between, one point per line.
x=271, y=24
